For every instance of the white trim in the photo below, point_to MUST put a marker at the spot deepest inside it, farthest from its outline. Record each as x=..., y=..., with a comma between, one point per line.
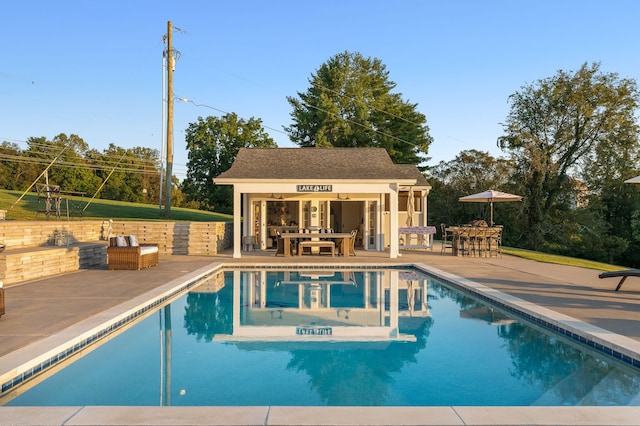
x=394, y=251
x=237, y=221
x=294, y=182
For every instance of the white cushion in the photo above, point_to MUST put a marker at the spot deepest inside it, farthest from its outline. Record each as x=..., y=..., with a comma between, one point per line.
x=133, y=241
x=148, y=249
x=121, y=241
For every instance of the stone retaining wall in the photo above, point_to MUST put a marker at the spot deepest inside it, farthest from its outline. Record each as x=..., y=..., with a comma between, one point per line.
x=31, y=263
x=36, y=249
x=194, y=238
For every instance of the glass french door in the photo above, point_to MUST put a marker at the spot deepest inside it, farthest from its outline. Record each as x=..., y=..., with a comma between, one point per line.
x=371, y=225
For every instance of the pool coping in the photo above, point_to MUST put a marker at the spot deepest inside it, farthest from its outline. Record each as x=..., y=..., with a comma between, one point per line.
x=279, y=415
x=20, y=362
x=619, y=347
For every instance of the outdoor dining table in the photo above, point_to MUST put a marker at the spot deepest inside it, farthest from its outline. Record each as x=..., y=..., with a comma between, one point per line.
x=464, y=238
x=343, y=237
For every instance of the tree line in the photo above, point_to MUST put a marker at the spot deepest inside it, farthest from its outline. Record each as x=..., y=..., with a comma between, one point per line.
x=116, y=173
x=569, y=142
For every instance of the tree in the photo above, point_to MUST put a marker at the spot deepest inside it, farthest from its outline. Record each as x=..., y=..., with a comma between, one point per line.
x=350, y=104
x=471, y=171
x=72, y=172
x=212, y=144
x=36, y=158
x=147, y=161
x=72, y=165
x=13, y=167
x=554, y=128
x=614, y=201
x=127, y=173
x=114, y=170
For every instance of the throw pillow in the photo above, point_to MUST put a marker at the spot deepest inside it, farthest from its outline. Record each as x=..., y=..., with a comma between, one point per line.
x=120, y=241
x=133, y=241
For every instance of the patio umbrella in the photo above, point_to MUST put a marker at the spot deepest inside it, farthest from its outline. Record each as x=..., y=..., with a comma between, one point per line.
x=633, y=180
x=410, y=207
x=491, y=196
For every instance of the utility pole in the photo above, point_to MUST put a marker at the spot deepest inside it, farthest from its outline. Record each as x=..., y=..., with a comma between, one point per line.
x=169, y=172
x=163, y=126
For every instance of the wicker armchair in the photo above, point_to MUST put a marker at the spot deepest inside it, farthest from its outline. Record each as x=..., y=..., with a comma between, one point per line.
x=131, y=257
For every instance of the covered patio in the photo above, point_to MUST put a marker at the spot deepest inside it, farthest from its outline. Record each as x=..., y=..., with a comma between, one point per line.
x=279, y=190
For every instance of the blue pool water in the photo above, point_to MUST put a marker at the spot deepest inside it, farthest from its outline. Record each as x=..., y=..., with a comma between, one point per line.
x=332, y=337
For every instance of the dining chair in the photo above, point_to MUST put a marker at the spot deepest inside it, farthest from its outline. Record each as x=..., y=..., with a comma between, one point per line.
x=494, y=241
x=352, y=242
x=447, y=242
x=472, y=240
x=279, y=244
x=293, y=245
x=479, y=240
x=465, y=241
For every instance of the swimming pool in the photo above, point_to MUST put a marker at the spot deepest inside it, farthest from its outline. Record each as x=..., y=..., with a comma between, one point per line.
x=334, y=337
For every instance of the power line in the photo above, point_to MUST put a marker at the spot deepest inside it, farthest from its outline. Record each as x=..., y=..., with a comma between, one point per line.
x=69, y=164
x=107, y=157
x=328, y=112
x=365, y=104
x=358, y=124
x=185, y=100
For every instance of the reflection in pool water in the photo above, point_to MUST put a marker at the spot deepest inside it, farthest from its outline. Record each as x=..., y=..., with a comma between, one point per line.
x=334, y=337
x=325, y=305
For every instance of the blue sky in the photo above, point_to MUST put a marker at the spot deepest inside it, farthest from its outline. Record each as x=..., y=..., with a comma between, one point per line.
x=94, y=68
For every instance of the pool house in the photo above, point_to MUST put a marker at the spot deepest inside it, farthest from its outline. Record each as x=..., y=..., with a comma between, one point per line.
x=277, y=190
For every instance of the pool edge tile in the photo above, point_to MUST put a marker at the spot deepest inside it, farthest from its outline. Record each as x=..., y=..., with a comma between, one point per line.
x=580, y=332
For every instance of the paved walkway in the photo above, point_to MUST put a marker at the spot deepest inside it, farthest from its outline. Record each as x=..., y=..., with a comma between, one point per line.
x=38, y=310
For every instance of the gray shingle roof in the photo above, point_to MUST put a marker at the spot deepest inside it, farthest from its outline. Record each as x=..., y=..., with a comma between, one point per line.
x=413, y=172
x=317, y=163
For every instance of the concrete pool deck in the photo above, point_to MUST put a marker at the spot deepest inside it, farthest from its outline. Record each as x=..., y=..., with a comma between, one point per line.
x=40, y=312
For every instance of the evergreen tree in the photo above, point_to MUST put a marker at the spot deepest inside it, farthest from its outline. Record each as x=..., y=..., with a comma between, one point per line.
x=350, y=103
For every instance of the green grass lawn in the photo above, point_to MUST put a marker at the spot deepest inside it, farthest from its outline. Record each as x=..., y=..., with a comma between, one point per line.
x=27, y=209
x=561, y=260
